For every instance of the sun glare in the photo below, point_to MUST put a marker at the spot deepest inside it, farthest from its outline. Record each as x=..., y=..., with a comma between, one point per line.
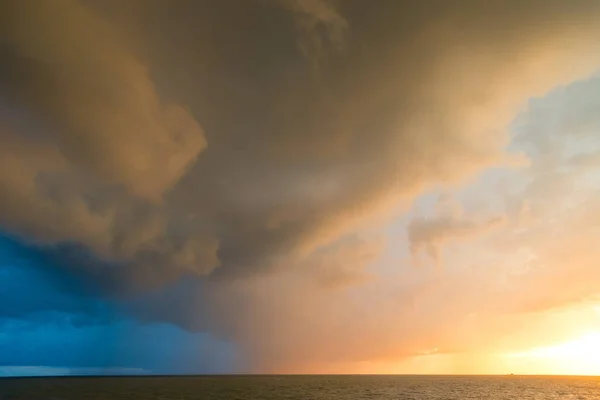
x=580, y=356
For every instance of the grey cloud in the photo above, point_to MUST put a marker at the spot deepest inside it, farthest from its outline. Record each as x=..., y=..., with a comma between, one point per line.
x=430, y=234
x=559, y=202
x=312, y=16
x=560, y=134
x=585, y=160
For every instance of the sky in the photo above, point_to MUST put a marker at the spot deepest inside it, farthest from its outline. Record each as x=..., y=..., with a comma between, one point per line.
x=299, y=186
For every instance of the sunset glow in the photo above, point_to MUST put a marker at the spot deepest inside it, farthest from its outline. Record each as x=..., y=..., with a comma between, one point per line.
x=299, y=186
x=580, y=356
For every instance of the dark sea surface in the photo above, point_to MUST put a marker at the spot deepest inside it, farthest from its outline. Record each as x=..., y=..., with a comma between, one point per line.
x=302, y=388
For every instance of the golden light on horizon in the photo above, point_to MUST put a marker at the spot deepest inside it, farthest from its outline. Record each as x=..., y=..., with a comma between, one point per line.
x=579, y=356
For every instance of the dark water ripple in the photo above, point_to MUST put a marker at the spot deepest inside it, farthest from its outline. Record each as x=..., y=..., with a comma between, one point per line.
x=303, y=388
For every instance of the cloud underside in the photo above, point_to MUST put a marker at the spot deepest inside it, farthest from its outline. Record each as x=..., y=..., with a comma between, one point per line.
x=143, y=142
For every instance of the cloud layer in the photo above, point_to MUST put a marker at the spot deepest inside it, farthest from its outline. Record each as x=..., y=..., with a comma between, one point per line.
x=223, y=167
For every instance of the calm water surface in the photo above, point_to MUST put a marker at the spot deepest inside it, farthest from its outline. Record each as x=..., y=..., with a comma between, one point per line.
x=302, y=388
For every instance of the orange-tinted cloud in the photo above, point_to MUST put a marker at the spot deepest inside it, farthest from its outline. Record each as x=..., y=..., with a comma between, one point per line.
x=194, y=138
x=93, y=98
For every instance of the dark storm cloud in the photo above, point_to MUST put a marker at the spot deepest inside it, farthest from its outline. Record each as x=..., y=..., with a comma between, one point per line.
x=164, y=141
x=33, y=288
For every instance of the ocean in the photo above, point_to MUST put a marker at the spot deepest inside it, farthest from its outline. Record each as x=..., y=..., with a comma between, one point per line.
x=307, y=387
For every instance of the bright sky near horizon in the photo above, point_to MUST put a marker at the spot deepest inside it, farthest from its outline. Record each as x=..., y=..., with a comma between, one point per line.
x=299, y=186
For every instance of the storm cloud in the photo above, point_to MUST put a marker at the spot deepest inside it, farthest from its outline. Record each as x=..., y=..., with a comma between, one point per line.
x=204, y=163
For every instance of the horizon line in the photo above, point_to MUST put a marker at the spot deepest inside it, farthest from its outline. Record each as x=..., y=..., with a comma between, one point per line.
x=151, y=375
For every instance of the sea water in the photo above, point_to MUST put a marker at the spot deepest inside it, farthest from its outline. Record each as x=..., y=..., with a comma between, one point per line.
x=308, y=387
